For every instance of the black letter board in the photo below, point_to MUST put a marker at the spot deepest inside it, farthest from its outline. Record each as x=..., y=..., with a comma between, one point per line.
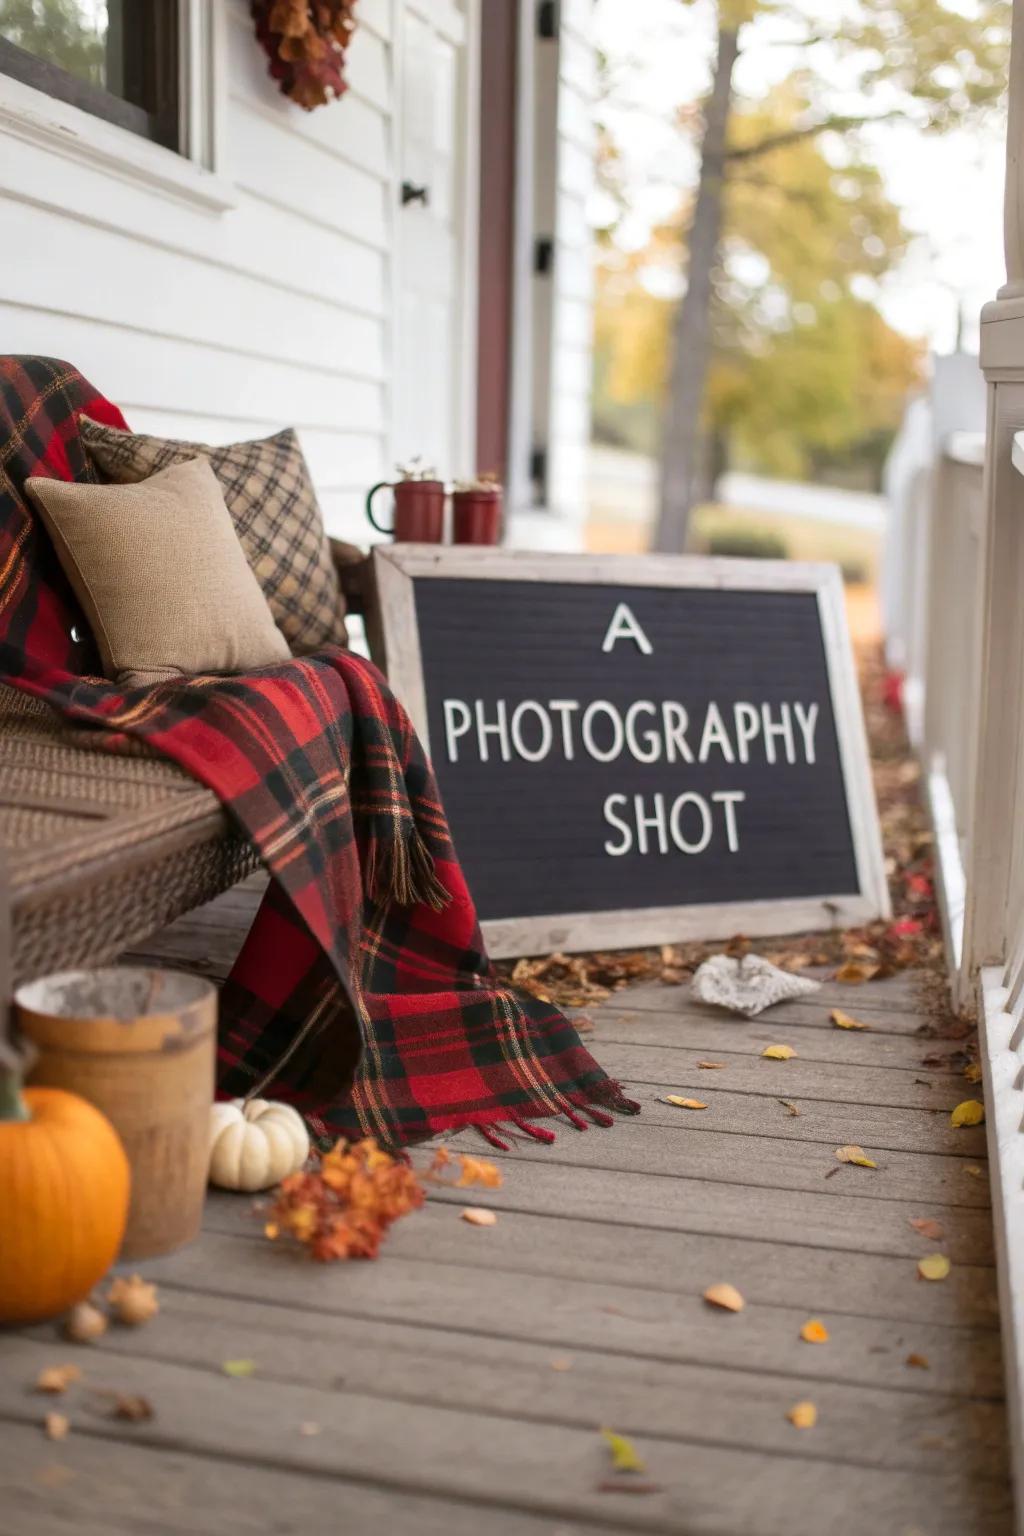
x=638, y=750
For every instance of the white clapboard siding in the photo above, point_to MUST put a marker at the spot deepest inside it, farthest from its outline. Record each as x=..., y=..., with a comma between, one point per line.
x=573, y=266
x=225, y=324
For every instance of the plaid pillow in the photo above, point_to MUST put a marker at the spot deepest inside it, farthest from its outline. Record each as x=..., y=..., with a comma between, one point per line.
x=273, y=505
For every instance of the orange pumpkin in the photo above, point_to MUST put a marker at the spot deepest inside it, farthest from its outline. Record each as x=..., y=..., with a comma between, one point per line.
x=64, y=1185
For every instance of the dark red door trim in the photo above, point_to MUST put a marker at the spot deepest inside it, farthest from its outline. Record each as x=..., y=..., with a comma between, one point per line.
x=498, y=50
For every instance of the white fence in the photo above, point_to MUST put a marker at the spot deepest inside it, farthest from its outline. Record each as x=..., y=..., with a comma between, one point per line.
x=954, y=607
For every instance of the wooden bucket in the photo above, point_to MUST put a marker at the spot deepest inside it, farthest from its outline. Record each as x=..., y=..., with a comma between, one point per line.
x=139, y=1044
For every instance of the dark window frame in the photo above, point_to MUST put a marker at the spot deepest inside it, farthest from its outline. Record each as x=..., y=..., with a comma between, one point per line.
x=156, y=65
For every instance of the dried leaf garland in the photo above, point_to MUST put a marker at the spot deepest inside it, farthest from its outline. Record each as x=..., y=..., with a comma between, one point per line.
x=306, y=41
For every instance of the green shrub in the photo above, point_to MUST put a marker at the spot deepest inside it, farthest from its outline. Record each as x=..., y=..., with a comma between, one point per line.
x=748, y=543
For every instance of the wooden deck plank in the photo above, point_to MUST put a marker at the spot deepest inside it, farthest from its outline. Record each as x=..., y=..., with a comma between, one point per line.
x=818, y=1040
x=543, y=1468
x=564, y=1248
x=895, y=1428
x=656, y=1325
x=810, y=1011
x=754, y=1161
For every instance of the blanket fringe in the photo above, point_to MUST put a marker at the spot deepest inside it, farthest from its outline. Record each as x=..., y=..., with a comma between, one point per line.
x=401, y=873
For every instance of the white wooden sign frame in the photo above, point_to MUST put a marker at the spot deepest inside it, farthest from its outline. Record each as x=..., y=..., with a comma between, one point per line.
x=396, y=649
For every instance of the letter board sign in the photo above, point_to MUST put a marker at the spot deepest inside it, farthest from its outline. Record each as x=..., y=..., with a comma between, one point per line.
x=637, y=750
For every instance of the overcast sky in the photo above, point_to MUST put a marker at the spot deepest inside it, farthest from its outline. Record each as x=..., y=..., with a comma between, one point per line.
x=949, y=189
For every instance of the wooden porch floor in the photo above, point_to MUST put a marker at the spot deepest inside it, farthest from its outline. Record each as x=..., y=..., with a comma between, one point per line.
x=458, y=1384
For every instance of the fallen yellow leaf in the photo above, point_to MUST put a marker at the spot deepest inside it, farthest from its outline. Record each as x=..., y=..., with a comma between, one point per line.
x=478, y=1217
x=928, y=1227
x=673, y=1098
x=855, y=1155
x=57, y=1378
x=843, y=1020
x=711, y=1066
x=803, y=1415
x=973, y=1170
x=57, y=1426
x=972, y=1071
x=920, y=1361
x=778, y=1052
x=814, y=1331
x=625, y=1457
x=561, y=1363
x=970, y=1112
x=853, y=974
x=934, y=1266
x=238, y=1367
x=724, y=1295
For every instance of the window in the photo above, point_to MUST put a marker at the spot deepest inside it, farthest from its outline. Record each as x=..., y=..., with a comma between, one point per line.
x=118, y=59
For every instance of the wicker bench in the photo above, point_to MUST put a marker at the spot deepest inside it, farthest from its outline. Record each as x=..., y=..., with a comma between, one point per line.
x=98, y=851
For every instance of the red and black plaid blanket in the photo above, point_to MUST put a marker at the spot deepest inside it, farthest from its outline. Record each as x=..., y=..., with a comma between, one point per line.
x=362, y=994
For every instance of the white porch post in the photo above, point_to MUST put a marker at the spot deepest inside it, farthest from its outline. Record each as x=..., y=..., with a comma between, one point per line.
x=994, y=863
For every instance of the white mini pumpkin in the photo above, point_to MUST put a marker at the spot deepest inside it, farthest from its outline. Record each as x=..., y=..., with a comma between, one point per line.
x=255, y=1143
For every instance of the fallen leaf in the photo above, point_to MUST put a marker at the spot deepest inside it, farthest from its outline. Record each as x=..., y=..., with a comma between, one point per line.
x=133, y=1300
x=673, y=1098
x=843, y=1020
x=55, y=1475
x=57, y=1378
x=934, y=1266
x=724, y=1295
x=853, y=973
x=790, y=1108
x=132, y=1407
x=711, y=1066
x=57, y=1426
x=972, y=1071
x=309, y=1427
x=970, y=1112
x=814, y=1331
x=238, y=1367
x=778, y=1052
x=477, y=1216
x=803, y=1415
x=855, y=1155
x=973, y=1170
x=920, y=1361
x=928, y=1227
x=85, y=1323
x=625, y=1457
x=561, y=1363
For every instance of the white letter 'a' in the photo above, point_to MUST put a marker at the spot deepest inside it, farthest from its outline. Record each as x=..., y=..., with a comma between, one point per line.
x=625, y=627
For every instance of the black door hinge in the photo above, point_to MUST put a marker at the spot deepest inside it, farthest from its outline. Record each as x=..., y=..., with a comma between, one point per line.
x=548, y=19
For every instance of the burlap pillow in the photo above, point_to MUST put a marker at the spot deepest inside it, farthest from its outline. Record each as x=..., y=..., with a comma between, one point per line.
x=160, y=574
x=270, y=496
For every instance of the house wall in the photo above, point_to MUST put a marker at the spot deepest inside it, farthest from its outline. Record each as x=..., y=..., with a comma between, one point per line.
x=225, y=306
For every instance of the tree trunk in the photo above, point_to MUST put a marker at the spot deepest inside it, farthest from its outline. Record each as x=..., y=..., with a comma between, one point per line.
x=691, y=352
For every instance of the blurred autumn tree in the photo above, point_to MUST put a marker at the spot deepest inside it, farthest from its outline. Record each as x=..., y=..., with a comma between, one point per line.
x=803, y=368
x=933, y=63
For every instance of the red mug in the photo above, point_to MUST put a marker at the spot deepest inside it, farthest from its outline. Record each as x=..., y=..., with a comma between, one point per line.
x=476, y=515
x=418, y=511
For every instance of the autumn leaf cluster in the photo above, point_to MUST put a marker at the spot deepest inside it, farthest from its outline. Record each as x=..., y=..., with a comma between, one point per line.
x=343, y=1206
x=305, y=41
